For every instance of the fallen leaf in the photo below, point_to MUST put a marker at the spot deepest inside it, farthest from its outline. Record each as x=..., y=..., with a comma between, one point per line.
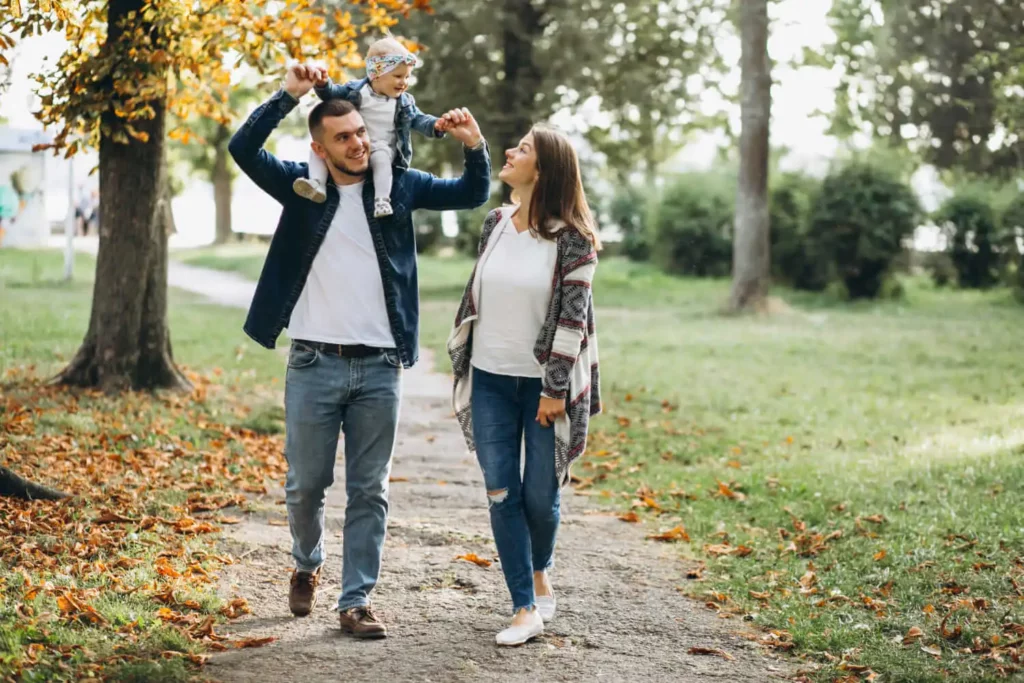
x=277, y=522
x=760, y=596
x=393, y=479
x=472, y=557
x=710, y=651
x=677, y=533
x=253, y=642
x=880, y=555
x=931, y=650
x=630, y=517
x=696, y=573
x=875, y=519
x=913, y=635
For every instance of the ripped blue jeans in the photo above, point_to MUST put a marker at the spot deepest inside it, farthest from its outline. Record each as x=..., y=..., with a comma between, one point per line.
x=523, y=498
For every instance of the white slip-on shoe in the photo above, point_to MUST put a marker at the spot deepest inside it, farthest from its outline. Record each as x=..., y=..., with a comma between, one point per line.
x=517, y=635
x=309, y=189
x=546, y=607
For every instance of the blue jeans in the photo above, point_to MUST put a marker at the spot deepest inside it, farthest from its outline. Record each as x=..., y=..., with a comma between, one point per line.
x=524, y=508
x=325, y=394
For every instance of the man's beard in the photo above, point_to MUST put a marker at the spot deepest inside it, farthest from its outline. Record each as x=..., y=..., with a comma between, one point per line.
x=339, y=164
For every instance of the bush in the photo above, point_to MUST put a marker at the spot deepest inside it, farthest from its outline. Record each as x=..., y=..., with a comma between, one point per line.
x=858, y=224
x=628, y=210
x=940, y=266
x=1013, y=235
x=691, y=229
x=470, y=224
x=428, y=230
x=794, y=258
x=972, y=236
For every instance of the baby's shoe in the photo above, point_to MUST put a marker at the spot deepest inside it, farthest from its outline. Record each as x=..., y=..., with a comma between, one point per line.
x=382, y=207
x=310, y=189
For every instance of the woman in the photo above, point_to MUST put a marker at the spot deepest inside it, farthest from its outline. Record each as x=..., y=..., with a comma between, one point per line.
x=524, y=355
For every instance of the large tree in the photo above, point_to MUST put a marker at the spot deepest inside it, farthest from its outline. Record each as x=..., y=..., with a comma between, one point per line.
x=751, y=262
x=126, y=66
x=517, y=62
x=940, y=77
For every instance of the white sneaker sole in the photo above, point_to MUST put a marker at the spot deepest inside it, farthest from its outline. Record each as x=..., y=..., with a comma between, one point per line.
x=306, y=190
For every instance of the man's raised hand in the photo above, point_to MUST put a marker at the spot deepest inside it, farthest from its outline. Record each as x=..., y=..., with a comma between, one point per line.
x=463, y=127
x=301, y=78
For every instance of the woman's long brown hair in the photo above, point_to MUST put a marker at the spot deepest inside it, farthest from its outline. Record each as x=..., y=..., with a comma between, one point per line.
x=558, y=194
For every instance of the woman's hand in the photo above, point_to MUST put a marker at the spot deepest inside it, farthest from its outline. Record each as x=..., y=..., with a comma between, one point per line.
x=550, y=409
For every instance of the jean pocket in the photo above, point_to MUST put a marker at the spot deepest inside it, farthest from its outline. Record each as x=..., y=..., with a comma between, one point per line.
x=392, y=359
x=301, y=356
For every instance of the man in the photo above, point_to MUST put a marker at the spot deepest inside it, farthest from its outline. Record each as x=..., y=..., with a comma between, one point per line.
x=344, y=283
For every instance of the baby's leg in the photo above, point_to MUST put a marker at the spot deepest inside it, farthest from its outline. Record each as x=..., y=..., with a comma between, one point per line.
x=380, y=161
x=312, y=188
x=317, y=169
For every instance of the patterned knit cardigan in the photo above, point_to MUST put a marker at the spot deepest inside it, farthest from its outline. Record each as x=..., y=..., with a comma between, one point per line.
x=566, y=348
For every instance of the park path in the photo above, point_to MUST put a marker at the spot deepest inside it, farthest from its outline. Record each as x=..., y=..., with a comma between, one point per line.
x=621, y=616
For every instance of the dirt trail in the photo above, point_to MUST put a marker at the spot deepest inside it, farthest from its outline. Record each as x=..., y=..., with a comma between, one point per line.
x=620, y=615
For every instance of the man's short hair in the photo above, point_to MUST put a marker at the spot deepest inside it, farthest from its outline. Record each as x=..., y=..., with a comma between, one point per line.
x=328, y=109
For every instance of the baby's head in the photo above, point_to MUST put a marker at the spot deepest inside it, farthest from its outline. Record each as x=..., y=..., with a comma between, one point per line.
x=389, y=65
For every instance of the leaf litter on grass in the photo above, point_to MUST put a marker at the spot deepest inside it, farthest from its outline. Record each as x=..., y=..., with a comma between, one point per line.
x=148, y=484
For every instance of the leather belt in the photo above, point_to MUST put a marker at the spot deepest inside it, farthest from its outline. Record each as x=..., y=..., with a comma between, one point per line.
x=343, y=350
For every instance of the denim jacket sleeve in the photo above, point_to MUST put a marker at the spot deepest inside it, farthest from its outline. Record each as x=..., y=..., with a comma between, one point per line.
x=423, y=123
x=469, y=191
x=334, y=91
x=271, y=174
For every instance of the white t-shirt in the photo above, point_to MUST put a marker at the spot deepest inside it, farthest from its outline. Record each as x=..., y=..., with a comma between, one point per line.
x=378, y=113
x=343, y=299
x=515, y=292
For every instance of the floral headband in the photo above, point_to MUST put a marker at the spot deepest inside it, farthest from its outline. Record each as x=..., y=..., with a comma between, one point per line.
x=377, y=66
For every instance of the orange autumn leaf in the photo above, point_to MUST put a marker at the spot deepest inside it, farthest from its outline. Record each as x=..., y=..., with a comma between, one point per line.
x=472, y=557
x=880, y=555
x=253, y=642
x=677, y=533
x=913, y=635
x=630, y=517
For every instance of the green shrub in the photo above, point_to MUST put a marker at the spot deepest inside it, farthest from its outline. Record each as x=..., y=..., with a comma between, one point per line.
x=691, y=229
x=429, y=232
x=972, y=239
x=795, y=260
x=858, y=224
x=470, y=223
x=1013, y=235
x=628, y=210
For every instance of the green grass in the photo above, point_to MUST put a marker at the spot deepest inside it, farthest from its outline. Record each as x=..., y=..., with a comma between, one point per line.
x=909, y=409
x=72, y=433
x=812, y=421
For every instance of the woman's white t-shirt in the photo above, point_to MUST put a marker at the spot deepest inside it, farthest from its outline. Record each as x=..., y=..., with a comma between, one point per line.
x=515, y=293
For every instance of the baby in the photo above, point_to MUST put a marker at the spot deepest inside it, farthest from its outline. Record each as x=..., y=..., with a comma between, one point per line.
x=389, y=113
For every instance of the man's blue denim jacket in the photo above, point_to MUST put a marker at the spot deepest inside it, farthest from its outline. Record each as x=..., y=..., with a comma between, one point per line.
x=408, y=117
x=303, y=224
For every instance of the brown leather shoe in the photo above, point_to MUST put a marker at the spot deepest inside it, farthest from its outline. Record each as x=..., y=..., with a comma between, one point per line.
x=361, y=622
x=302, y=596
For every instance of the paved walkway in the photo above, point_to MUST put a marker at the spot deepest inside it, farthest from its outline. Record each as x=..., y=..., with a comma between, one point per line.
x=621, y=616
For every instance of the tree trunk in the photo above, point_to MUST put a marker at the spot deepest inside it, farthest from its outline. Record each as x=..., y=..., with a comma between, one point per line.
x=221, y=177
x=521, y=26
x=13, y=486
x=751, y=258
x=127, y=345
